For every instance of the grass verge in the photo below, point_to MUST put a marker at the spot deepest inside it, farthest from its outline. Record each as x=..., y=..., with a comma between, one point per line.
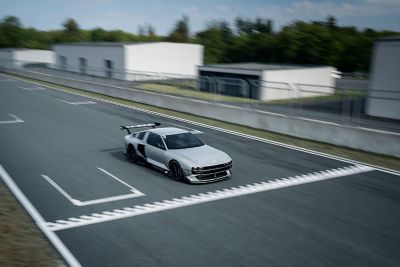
x=178, y=91
x=175, y=90
x=21, y=242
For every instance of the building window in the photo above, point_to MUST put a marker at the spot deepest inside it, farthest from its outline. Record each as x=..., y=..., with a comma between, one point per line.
x=63, y=62
x=82, y=65
x=109, y=68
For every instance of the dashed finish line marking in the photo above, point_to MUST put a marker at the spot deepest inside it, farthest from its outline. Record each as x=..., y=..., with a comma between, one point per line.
x=77, y=202
x=16, y=119
x=205, y=197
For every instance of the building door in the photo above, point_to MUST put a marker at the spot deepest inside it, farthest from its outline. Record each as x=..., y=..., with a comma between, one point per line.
x=109, y=68
x=63, y=62
x=82, y=65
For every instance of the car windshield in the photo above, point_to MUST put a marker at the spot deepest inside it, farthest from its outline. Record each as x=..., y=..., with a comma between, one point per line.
x=181, y=141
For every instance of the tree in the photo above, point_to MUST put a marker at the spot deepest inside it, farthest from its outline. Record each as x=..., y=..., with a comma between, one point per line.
x=216, y=38
x=331, y=23
x=71, y=26
x=98, y=34
x=263, y=25
x=180, y=33
x=247, y=26
x=243, y=26
x=11, y=32
x=71, y=32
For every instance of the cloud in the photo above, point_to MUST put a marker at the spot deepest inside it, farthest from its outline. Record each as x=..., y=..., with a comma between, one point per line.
x=224, y=8
x=313, y=10
x=345, y=9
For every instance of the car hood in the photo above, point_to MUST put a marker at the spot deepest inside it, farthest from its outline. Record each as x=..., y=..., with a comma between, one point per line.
x=203, y=155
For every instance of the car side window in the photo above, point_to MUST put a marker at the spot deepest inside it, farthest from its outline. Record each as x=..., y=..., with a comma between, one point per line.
x=155, y=140
x=141, y=135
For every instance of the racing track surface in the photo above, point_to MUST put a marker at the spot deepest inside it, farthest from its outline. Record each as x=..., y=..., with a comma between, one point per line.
x=66, y=155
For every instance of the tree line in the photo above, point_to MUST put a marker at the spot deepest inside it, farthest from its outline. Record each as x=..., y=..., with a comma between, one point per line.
x=248, y=40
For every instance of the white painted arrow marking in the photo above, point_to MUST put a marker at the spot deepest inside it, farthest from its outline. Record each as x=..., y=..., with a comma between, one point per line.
x=16, y=119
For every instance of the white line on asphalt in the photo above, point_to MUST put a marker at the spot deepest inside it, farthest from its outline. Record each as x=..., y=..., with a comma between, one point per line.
x=206, y=197
x=264, y=140
x=16, y=119
x=77, y=202
x=375, y=130
x=7, y=80
x=77, y=103
x=134, y=190
x=32, y=88
x=250, y=109
x=59, y=189
x=319, y=121
x=194, y=131
x=40, y=222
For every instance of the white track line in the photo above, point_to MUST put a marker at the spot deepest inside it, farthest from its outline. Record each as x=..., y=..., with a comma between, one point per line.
x=77, y=202
x=264, y=140
x=193, y=131
x=53, y=238
x=16, y=119
x=134, y=190
x=7, y=80
x=205, y=197
x=77, y=103
x=32, y=88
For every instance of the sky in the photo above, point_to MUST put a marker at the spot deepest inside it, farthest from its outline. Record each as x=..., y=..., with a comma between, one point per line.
x=127, y=15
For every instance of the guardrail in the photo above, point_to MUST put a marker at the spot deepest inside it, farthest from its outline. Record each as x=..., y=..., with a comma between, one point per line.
x=377, y=141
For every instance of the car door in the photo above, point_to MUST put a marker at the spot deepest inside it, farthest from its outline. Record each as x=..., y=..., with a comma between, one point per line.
x=155, y=150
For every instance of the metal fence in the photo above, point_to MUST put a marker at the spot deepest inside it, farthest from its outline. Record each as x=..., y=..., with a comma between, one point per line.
x=307, y=101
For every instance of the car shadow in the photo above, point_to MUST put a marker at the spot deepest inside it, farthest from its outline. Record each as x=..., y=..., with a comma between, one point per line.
x=118, y=153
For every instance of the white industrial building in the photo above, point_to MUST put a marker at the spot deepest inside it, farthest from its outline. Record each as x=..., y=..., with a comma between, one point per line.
x=17, y=57
x=269, y=81
x=115, y=60
x=384, y=87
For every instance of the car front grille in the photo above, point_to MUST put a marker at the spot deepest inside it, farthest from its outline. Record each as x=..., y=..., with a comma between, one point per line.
x=211, y=176
x=213, y=169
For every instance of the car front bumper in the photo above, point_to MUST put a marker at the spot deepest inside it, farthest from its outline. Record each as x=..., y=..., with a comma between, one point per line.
x=212, y=177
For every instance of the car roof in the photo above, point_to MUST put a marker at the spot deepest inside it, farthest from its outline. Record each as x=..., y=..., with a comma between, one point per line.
x=167, y=131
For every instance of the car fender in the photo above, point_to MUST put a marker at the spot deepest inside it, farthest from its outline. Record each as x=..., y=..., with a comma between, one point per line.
x=186, y=163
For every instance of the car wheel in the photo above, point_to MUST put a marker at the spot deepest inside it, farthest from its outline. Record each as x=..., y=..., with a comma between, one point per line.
x=131, y=153
x=175, y=171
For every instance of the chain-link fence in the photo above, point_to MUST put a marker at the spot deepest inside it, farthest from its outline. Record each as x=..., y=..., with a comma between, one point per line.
x=307, y=101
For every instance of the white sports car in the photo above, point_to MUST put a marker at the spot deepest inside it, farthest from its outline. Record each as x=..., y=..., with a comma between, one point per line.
x=178, y=153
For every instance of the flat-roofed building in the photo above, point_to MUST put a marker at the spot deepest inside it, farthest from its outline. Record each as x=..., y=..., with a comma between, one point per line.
x=18, y=57
x=268, y=81
x=384, y=86
x=125, y=60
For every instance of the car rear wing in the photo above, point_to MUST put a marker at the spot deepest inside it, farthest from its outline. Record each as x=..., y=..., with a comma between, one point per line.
x=128, y=127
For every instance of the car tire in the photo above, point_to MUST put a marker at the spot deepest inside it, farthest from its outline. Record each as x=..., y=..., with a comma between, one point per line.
x=175, y=171
x=131, y=154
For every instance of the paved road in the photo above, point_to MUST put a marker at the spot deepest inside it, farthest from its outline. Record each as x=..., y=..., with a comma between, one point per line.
x=350, y=220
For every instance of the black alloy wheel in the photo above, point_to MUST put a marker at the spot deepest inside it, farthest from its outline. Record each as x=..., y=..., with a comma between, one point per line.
x=175, y=171
x=131, y=153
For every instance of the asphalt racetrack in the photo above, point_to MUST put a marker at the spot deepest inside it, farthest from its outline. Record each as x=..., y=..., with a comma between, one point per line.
x=281, y=207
